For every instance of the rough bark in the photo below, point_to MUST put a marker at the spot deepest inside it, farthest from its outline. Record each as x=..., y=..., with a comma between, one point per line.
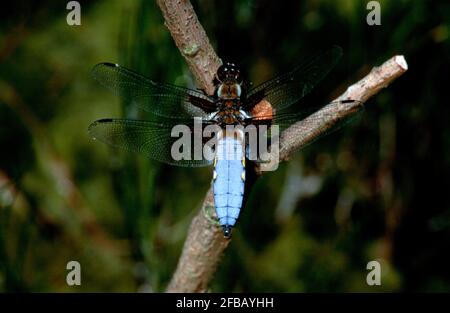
x=190, y=38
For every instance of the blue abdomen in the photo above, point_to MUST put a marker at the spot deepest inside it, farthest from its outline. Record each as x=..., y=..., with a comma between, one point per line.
x=228, y=184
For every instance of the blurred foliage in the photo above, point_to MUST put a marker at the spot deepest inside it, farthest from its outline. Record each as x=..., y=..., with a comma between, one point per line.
x=377, y=190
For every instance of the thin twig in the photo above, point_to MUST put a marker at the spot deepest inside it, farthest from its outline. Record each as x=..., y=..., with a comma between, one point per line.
x=303, y=132
x=205, y=243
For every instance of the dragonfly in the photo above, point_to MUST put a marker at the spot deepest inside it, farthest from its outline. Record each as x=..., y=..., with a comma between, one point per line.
x=235, y=102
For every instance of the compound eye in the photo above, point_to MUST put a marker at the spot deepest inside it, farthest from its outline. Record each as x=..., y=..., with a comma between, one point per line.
x=222, y=72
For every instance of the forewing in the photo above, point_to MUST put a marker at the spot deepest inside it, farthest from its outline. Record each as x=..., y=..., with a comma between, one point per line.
x=287, y=89
x=161, y=99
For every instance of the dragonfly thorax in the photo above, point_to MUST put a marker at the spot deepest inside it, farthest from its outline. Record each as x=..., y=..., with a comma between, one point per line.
x=229, y=116
x=229, y=91
x=229, y=113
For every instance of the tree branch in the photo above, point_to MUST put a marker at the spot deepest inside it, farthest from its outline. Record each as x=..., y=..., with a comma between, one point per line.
x=201, y=254
x=191, y=40
x=303, y=132
x=205, y=243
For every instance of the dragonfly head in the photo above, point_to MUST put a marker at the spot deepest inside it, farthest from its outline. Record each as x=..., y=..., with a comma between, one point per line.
x=229, y=73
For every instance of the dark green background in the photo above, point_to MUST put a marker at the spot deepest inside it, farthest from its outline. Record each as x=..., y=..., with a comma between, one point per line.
x=376, y=190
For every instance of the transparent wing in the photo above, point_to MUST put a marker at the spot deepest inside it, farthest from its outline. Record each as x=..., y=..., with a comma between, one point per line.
x=153, y=139
x=287, y=89
x=161, y=99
